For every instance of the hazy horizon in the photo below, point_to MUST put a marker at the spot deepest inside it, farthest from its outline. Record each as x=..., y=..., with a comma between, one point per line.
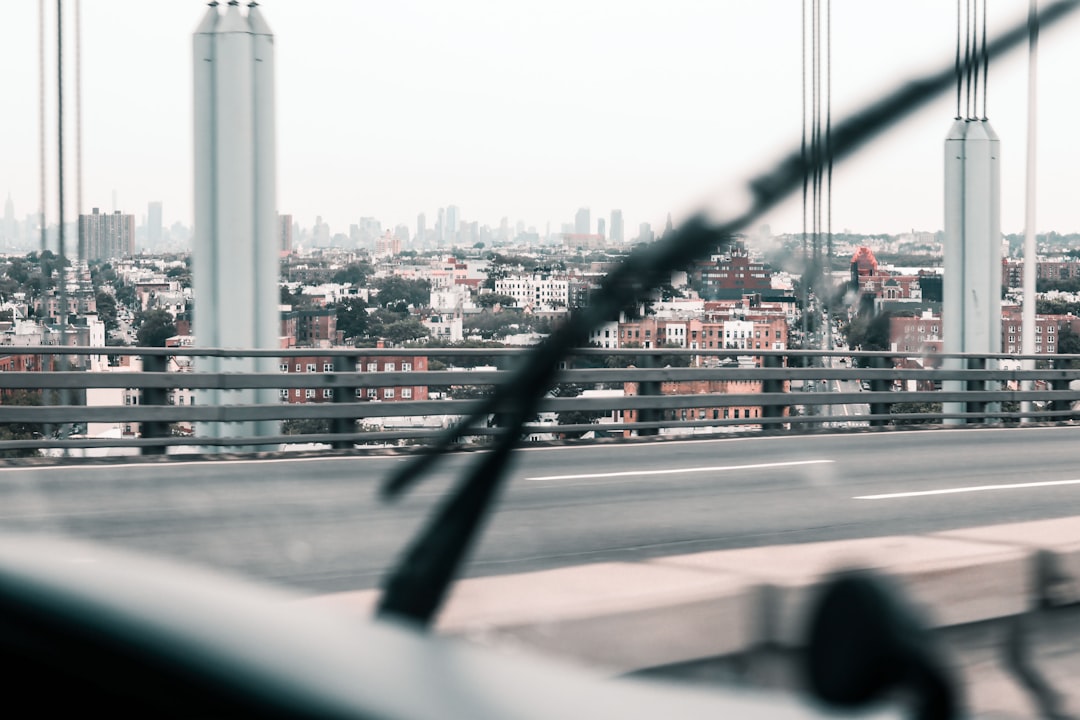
x=532, y=111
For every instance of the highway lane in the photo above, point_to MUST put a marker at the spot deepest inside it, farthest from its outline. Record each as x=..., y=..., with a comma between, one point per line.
x=317, y=525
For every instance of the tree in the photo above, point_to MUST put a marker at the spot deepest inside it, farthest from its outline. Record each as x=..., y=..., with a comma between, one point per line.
x=394, y=289
x=155, y=327
x=404, y=330
x=1068, y=343
x=106, y=309
x=354, y=274
x=488, y=300
x=20, y=431
x=352, y=317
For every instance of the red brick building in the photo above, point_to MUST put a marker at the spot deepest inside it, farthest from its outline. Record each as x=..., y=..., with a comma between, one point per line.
x=365, y=367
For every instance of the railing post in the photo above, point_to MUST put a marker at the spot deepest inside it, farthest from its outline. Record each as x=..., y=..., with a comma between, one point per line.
x=344, y=425
x=155, y=396
x=648, y=388
x=772, y=385
x=879, y=385
x=975, y=386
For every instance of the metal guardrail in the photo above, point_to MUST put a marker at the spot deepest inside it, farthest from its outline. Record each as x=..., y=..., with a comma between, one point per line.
x=785, y=393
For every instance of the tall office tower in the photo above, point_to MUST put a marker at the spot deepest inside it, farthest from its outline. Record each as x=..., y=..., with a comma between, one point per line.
x=421, y=230
x=601, y=227
x=440, y=228
x=645, y=233
x=103, y=236
x=10, y=232
x=583, y=221
x=285, y=233
x=235, y=252
x=320, y=234
x=153, y=225
x=453, y=219
x=616, y=226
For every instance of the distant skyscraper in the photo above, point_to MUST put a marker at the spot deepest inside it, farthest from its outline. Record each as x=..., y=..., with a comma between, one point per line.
x=11, y=227
x=285, y=233
x=153, y=225
x=453, y=219
x=616, y=226
x=583, y=221
x=320, y=233
x=421, y=229
x=104, y=236
x=645, y=233
x=601, y=227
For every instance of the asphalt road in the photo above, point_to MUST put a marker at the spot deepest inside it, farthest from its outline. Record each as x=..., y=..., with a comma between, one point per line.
x=316, y=524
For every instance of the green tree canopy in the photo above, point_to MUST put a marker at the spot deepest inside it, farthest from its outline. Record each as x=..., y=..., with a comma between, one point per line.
x=106, y=309
x=394, y=290
x=155, y=327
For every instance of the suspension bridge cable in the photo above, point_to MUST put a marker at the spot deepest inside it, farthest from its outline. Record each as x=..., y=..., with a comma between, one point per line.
x=975, y=60
x=805, y=178
x=41, y=115
x=62, y=279
x=967, y=60
x=828, y=134
x=986, y=62
x=78, y=128
x=959, y=76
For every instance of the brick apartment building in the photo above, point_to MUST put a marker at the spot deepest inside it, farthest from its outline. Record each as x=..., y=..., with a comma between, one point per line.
x=365, y=366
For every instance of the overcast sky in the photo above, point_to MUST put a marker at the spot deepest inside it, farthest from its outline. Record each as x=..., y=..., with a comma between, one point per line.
x=533, y=109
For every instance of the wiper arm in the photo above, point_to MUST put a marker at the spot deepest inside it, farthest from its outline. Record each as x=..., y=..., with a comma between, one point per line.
x=417, y=586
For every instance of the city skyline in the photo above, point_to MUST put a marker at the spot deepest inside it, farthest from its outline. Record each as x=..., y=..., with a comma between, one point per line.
x=648, y=112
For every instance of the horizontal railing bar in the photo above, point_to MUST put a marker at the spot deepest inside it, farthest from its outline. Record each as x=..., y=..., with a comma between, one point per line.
x=280, y=380
x=283, y=411
x=495, y=351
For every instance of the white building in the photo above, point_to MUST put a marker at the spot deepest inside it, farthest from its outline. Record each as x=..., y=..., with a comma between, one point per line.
x=536, y=292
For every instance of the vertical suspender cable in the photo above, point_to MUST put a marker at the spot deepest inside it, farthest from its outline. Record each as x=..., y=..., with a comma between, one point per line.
x=959, y=76
x=975, y=61
x=967, y=60
x=79, y=254
x=986, y=62
x=828, y=152
x=41, y=115
x=815, y=145
x=1027, y=330
x=62, y=279
x=805, y=178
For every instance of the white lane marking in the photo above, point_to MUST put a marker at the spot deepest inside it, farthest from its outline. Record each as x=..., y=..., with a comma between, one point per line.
x=970, y=488
x=679, y=471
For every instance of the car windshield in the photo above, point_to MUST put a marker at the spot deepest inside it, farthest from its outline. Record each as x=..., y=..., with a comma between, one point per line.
x=626, y=313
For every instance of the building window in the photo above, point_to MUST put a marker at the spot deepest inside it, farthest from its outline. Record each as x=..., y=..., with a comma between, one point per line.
x=372, y=393
x=309, y=393
x=298, y=366
x=406, y=393
x=406, y=367
x=328, y=367
x=297, y=392
x=388, y=393
x=181, y=399
x=328, y=393
x=284, y=367
x=284, y=394
x=373, y=367
x=311, y=367
x=390, y=367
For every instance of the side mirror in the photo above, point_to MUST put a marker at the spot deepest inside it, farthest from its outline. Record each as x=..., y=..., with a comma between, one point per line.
x=865, y=643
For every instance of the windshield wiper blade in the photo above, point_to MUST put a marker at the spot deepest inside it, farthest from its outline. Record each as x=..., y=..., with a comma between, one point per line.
x=417, y=586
